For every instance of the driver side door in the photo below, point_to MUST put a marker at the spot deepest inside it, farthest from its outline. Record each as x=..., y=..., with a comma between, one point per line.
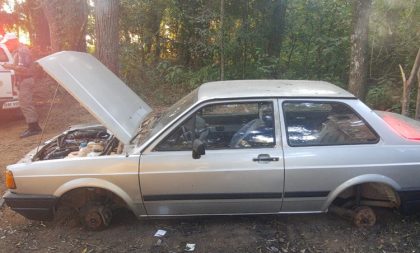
x=242, y=169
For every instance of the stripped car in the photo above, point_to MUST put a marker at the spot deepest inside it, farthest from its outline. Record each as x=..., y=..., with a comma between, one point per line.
x=230, y=147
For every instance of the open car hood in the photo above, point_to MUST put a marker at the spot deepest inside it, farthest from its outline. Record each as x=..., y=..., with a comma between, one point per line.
x=99, y=90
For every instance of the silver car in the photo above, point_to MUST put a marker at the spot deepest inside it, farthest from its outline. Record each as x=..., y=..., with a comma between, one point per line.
x=230, y=147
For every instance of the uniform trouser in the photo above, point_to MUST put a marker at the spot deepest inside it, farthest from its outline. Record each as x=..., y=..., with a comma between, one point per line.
x=26, y=89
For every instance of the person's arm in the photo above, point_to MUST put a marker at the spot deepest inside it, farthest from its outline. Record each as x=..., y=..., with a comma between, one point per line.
x=19, y=69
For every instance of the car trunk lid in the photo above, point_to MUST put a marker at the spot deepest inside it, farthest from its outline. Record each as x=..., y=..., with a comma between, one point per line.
x=404, y=126
x=99, y=90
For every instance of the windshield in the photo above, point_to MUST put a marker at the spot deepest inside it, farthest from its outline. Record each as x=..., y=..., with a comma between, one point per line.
x=155, y=122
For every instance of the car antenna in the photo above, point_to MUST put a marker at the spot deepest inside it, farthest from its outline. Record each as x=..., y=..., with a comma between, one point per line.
x=47, y=118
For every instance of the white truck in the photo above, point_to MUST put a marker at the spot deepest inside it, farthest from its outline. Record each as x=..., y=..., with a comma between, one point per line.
x=9, y=103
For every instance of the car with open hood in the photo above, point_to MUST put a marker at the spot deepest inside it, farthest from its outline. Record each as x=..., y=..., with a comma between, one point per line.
x=229, y=147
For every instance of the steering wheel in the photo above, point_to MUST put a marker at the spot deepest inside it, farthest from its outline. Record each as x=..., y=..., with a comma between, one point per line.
x=186, y=134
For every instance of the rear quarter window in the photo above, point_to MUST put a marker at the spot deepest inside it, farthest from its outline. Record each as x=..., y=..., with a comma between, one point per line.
x=310, y=123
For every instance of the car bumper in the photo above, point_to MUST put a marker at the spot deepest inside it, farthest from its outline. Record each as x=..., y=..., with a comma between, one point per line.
x=34, y=207
x=9, y=104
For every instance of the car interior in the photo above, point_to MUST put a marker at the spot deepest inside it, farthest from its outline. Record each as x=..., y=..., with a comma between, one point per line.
x=325, y=124
x=225, y=126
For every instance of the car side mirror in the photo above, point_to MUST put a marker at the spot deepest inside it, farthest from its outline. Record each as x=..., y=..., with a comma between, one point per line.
x=198, y=149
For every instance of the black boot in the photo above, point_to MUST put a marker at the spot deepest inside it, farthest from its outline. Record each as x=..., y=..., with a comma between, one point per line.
x=33, y=129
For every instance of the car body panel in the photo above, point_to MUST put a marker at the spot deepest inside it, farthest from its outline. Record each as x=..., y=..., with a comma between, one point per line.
x=8, y=91
x=115, y=105
x=6, y=87
x=308, y=171
x=118, y=174
x=325, y=171
x=182, y=185
x=207, y=185
x=364, y=178
x=270, y=88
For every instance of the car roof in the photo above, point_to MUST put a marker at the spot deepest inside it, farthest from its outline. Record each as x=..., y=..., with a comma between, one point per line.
x=270, y=88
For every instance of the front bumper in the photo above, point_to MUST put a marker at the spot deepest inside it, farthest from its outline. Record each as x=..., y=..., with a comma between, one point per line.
x=34, y=207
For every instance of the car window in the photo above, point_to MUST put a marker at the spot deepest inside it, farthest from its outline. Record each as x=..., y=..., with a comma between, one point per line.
x=3, y=56
x=325, y=123
x=225, y=126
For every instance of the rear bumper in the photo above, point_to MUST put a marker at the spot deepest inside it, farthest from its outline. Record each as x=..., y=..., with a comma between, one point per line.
x=410, y=201
x=34, y=207
x=9, y=104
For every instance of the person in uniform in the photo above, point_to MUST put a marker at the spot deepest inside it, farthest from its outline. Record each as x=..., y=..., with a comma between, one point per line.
x=22, y=62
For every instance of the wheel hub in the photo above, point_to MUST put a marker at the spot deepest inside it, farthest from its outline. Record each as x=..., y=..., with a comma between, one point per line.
x=364, y=217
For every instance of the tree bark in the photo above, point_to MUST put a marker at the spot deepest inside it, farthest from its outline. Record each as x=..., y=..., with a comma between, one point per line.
x=107, y=32
x=222, y=40
x=67, y=23
x=38, y=26
x=278, y=18
x=245, y=23
x=156, y=15
x=407, y=84
x=359, y=48
x=417, y=116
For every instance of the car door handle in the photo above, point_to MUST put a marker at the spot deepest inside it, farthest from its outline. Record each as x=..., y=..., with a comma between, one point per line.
x=265, y=158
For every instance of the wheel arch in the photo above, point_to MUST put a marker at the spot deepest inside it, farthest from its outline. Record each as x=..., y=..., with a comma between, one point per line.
x=362, y=179
x=95, y=183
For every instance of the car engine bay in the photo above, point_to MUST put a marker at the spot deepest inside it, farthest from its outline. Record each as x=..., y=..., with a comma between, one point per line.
x=85, y=142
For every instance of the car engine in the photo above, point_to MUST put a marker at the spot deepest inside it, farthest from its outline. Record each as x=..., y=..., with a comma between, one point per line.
x=91, y=141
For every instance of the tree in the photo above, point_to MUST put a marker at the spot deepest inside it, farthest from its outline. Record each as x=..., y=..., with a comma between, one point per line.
x=359, y=48
x=277, y=28
x=107, y=32
x=222, y=35
x=417, y=116
x=38, y=25
x=67, y=22
x=407, y=84
x=179, y=42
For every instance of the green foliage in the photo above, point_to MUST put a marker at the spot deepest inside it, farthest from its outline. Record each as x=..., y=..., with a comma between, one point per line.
x=395, y=36
x=180, y=75
x=394, y=40
x=172, y=46
x=175, y=44
x=382, y=96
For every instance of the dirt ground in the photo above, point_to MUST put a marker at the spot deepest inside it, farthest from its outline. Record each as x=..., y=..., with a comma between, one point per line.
x=274, y=233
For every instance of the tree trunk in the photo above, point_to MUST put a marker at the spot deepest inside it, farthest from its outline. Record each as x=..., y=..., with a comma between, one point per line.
x=182, y=34
x=222, y=40
x=359, y=47
x=417, y=116
x=407, y=84
x=245, y=22
x=107, y=33
x=67, y=23
x=38, y=26
x=278, y=22
x=157, y=14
